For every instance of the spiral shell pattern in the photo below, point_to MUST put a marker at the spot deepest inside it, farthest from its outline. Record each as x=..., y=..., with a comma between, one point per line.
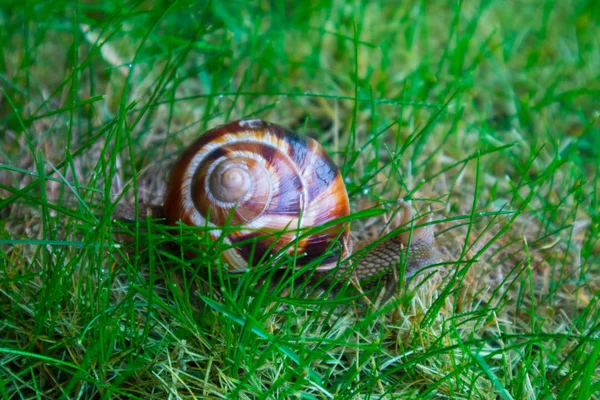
x=268, y=181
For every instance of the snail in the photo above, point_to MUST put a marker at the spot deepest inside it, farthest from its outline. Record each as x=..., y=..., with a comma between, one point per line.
x=266, y=180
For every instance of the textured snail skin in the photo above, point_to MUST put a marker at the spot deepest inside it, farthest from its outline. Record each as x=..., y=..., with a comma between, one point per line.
x=415, y=248
x=295, y=185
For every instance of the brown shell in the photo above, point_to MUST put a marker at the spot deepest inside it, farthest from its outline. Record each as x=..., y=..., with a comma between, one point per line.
x=298, y=186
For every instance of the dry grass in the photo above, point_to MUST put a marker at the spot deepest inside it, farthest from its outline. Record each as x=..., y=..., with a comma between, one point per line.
x=486, y=112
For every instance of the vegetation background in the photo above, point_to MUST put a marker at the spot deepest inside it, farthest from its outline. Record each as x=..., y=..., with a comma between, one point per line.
x=486, y=111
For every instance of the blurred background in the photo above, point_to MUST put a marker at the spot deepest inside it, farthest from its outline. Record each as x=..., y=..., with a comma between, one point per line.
x=486, y=111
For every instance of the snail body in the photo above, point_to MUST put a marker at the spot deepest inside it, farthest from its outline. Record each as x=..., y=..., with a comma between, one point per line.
x=272, y=184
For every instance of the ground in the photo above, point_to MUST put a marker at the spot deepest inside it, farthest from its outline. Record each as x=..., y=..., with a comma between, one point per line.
x=484, y=115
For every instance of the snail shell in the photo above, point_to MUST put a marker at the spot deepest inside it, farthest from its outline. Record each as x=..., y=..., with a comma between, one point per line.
x=268, y=181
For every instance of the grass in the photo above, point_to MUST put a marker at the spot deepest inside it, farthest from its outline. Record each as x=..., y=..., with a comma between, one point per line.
x=486, y=111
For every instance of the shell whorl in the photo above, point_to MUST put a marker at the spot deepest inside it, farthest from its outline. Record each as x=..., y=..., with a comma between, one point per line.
x=266, y=180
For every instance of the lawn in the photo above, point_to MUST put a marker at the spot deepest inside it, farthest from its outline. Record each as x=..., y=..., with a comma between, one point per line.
x=483, y=114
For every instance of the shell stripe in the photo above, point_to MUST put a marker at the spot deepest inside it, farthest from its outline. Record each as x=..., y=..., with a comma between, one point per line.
x=283, y=199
